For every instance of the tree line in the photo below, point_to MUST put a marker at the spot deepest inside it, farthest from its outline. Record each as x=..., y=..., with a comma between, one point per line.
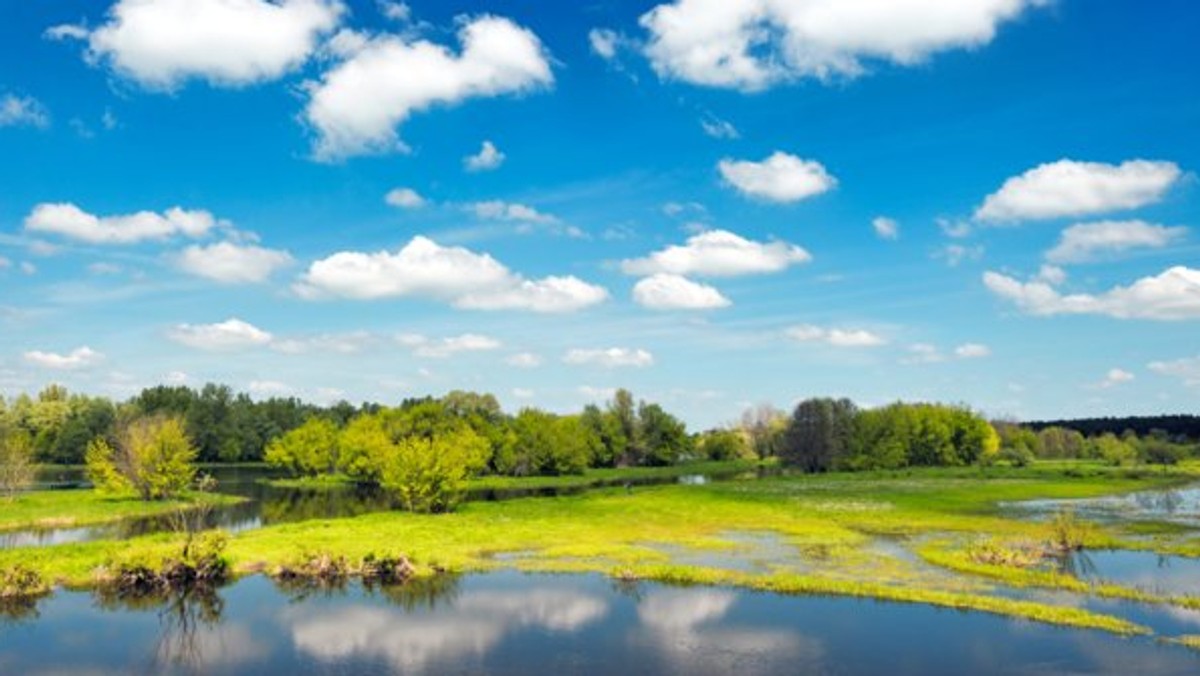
x=1178, y=428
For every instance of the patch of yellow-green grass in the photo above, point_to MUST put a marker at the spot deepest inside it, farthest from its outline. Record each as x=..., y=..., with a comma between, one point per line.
x=75, y=508
x=1187, y=640
x=816, y=584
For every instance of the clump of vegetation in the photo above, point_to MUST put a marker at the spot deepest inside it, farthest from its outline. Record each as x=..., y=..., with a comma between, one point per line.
x=16, y=461
x=151, y=457
x=309, y=450
x=21, y=582
x=1068, y=533
x=386, y=569
x=321, y=568
x=995, y=552
x=201, y=562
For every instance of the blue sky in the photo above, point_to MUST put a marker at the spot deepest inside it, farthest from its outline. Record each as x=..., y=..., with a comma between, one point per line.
x=711, y=203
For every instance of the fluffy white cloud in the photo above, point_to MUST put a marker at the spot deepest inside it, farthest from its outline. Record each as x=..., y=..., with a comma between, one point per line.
x=665, y=291
x=524, y=360
x=604, y=42
x=395, y=11
x=1070, y=188
x=1116, y=377
x=498, y=210
x=1172, y=295
x=779, y=178
x=523, y=393
x=453, y=274
x=357, y=106
x=1051, y=274
x=954, y=254
x=487, y=159
x=808, y=333
x=613, y=357
x=23, y=111
x=885, y=228
x=162, y=43
x=718, y=253
x=404, y=198
x=1085, y=242
x=231, y=263
x=440, y=348
x=1187, y=369
x=70, y=221
x=231, y=334
x=753, y=44
x=81, y=357
x=972, y=351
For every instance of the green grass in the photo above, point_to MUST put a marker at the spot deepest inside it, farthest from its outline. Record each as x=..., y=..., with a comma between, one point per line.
x=829, y=524
x=75, y=508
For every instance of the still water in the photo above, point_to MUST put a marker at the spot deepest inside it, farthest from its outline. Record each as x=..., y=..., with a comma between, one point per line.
x=509, y=623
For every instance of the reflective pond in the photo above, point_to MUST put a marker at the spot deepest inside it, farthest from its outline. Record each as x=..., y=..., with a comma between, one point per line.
x=1177, y=505
x=514, y=623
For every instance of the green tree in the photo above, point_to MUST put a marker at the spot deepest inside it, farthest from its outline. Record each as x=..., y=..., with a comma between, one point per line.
x=16, y=461
x=724, y=445
x=545, y=444
x=818, y=434
x=153, y=457
x=664, y=437
x=428, y=474
x=309, y=450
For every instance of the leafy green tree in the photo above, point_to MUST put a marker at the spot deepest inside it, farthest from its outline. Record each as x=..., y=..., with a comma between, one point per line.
x=764, y=427
x=546, y=444
x=818, y=435
x=152, y=457
x=428, y=474
x=664, y=437
x=309, y=450
x=16, y=460
x=724, y=445
x=624, y=414
x=1060, y=442
x=1113, y=450
x=608, y=441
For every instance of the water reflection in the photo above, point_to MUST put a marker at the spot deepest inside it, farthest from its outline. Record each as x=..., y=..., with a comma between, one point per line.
x=466, y=630
x=1179, y=505
x=513, y=623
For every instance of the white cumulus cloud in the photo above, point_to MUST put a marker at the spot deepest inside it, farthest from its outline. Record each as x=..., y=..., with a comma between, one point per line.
x=161, y=44
x=972, y=351
x=665, y=291
x=232, y=263
x=23, y=111
x=1173, y=294
x=404, y=198
x=1085, y=242
x=718, y=253
x=781, y=177
x=1070, y=188
x=808, y=333
x=885, y=228
x=750, y=45
x=81, y=357
x=357, y=106
x=231, y=334
x=456, y=275
x=613, y=357
x=68, y=220
x=488, y=158
x=1115, y=377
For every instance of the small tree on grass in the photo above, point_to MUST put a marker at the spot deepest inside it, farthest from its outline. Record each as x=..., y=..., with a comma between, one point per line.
x=309, y=450
x=16, y=462
x=152, y=457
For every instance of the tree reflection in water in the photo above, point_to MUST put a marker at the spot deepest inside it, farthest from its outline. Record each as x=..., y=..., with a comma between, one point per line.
x=188, y=620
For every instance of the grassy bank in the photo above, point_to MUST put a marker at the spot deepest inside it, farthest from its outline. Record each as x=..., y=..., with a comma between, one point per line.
x=76, y=508
x=824, y=533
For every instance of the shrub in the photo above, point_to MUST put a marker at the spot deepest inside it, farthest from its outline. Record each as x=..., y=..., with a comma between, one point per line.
x=153, y=457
